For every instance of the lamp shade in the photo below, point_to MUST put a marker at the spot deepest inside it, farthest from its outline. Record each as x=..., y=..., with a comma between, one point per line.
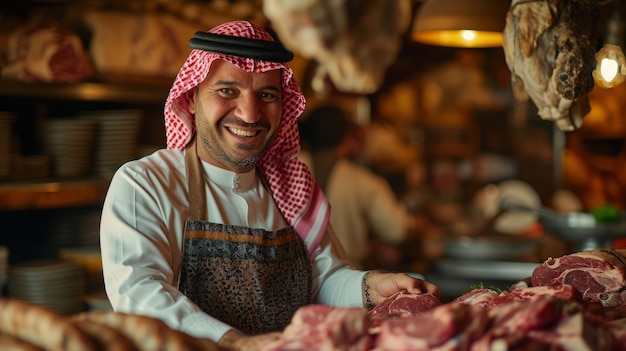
x=460, y=23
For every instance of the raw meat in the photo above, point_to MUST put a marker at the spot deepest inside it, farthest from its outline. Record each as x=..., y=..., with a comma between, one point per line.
x=570, y=303
x=522, y=316
x=138, y=44
x=542, y=323
x=451, y=326
x=540, y=319
x=618, y=330
x=550, y=50
x=45, y=52
x=574, y=332
x=353, y=41
x=480, y=297
x=321, y=327
x=565, y=292
x=405, y=303
x=598, y=275
x=488, y=298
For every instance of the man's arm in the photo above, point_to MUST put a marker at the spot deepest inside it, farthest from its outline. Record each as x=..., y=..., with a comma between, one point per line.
x=141, y=256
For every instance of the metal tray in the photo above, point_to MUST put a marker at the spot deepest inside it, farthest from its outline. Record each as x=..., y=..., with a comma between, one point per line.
x=483, y=270
x=489, y=247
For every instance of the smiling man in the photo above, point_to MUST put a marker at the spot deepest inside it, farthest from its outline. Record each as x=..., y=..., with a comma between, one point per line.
x=224, y=234
x=237, y=115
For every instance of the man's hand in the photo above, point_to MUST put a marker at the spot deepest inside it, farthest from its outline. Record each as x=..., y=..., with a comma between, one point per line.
x=237, y=341
x=378, y=286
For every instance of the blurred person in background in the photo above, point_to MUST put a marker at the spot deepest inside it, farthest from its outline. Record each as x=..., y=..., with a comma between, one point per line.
x=364, y=208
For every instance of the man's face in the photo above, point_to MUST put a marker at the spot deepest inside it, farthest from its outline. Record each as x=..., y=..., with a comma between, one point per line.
x=237, y=115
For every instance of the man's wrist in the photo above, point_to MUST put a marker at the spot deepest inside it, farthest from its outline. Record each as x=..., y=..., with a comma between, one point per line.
x=367, y=298
x=229, y=339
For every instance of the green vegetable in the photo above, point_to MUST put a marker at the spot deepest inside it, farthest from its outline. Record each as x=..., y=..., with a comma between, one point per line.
x=606, y=214
x=482, y=286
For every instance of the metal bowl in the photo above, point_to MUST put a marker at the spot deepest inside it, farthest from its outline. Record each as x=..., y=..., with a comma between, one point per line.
x=582, y=228
x=579, y=227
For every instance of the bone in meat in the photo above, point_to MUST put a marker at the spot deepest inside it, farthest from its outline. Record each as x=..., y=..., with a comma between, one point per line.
x=549, y=47
x=598, y=275
x=353, y=41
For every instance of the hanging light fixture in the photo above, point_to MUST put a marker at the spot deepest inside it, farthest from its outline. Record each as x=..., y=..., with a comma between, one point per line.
x=460, y=23
x=610, y=61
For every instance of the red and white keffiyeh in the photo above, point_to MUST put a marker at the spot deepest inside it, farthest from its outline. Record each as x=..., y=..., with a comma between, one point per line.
x=297, y=195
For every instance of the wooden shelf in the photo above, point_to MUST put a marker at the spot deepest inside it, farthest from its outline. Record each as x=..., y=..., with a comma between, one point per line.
x=135, y=91
x=65, y=193
x=51, y=194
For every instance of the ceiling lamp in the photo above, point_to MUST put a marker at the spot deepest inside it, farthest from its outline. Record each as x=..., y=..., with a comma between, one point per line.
x=610, y=62
x=460, y=23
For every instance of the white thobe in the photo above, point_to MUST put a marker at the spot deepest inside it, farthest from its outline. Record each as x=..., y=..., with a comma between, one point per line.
x=142, y=229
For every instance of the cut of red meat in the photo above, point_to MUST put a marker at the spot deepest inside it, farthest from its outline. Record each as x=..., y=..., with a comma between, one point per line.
x=46, y=52
x=480, y=297
x=68, y=63
x=550, y=311
x=565, y=292
x=406, y=303
x=618, y=330
x=451, y=326
x=322, y=327
x=598, y=275
x=573, y=332
x=522, y=316
x=511, y=322
x=521, y=284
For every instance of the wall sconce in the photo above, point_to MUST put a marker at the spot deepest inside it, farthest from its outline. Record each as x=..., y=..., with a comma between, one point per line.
x=460, y=23
x=610, y=61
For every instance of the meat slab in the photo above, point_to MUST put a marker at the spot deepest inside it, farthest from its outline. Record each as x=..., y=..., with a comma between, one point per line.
x=565, y=292
x=543, y=323
x=452, y=326
x=575, y=302
x=353, y=42
x=321, y=327
x=550, y=50
x=481, y=297
x=405, y=303
x=45, y=52
x=598, y=275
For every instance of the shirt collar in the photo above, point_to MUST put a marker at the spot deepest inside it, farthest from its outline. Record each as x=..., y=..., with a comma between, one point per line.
x=229, y=179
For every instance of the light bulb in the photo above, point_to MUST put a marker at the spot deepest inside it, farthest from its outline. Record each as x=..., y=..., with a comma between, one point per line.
x=468, y=35
x=610, y=66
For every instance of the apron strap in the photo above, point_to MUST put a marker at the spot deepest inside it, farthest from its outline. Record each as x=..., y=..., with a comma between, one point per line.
x=195, y=183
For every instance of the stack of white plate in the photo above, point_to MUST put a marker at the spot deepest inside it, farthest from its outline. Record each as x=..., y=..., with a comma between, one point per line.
x=55, y=284
x=68, y=143
x=117, y=135
x=90, y=259
x=98, y=302
x=89, y=229
x=6, y=120
x=75, y=227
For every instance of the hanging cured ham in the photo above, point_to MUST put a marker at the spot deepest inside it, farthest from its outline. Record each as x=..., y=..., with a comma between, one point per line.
x=549, y=48
x=354, y=42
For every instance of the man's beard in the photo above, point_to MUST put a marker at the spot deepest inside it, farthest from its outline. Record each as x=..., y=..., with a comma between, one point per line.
x=210, y=141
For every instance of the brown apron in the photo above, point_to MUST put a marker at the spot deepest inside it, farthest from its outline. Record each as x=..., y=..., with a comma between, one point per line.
x=249, y=278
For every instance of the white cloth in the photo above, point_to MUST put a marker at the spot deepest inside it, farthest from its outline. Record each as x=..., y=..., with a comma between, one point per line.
x=142, y=230
x=363, y=202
